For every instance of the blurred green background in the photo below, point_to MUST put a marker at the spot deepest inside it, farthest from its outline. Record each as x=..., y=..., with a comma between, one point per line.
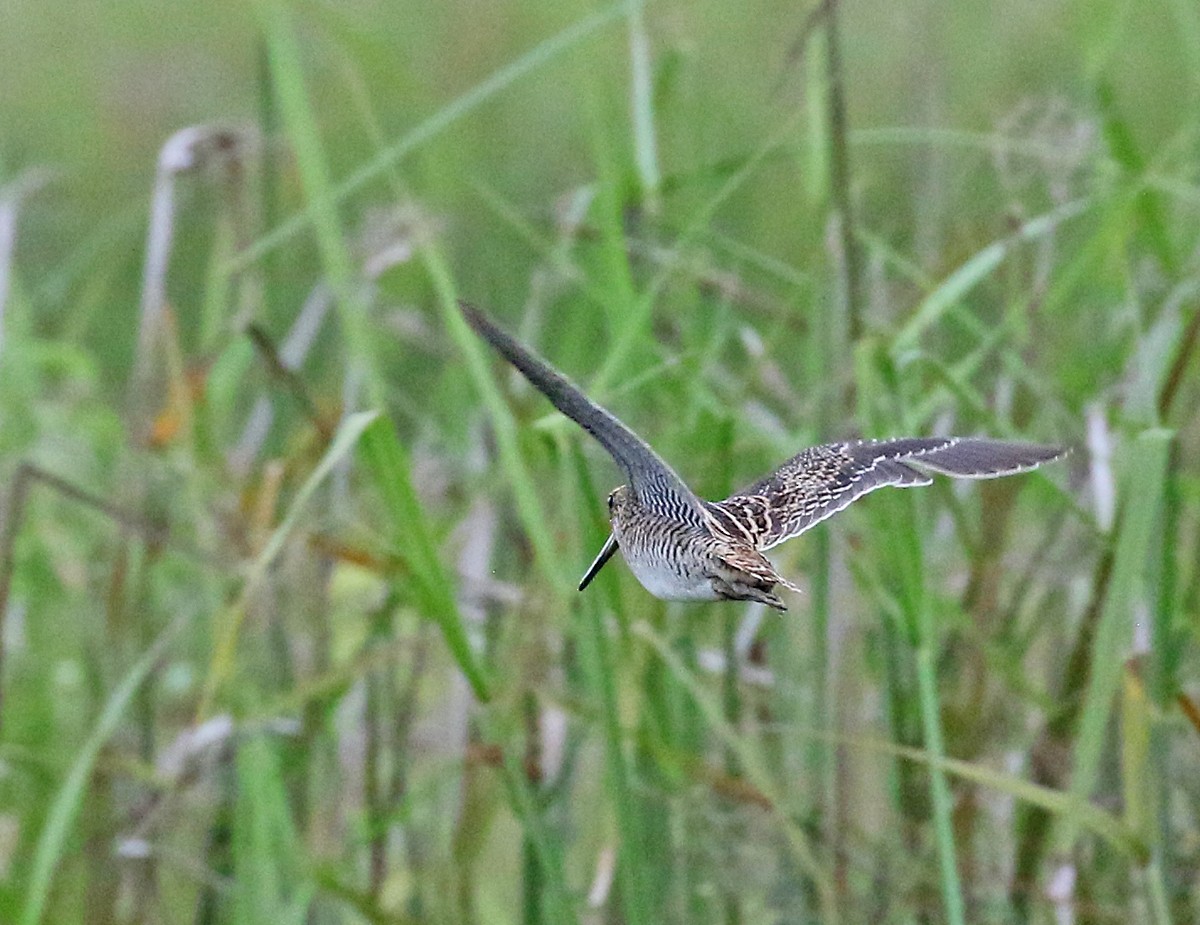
x=267, y=658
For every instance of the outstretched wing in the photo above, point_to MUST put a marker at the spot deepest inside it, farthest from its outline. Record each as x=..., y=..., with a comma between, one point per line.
x=655, y=483
x=821, y=481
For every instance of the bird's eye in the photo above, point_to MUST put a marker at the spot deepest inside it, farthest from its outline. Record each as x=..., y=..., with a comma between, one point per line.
x=612, y=497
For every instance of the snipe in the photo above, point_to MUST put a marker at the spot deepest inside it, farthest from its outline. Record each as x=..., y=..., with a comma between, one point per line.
x=684, y=549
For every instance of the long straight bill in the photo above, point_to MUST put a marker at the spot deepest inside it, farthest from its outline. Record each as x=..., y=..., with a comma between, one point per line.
x=606, y=553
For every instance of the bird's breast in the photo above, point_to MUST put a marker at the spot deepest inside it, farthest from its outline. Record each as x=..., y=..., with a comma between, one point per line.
x=669, y=562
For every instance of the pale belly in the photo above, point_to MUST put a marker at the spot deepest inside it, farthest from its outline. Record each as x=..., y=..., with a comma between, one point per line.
x=664, y=582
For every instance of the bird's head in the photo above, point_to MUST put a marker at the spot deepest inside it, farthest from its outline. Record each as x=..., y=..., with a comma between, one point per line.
x=620, y=504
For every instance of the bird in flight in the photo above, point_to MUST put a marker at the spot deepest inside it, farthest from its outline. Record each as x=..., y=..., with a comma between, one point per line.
x=682, y=548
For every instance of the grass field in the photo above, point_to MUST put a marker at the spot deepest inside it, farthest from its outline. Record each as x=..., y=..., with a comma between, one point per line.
x=288, y=557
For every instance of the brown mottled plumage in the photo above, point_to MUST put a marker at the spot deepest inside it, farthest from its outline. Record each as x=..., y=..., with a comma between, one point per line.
x=682, y=548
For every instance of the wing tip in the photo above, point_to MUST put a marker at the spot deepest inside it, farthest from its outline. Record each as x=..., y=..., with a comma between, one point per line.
x=984, y=458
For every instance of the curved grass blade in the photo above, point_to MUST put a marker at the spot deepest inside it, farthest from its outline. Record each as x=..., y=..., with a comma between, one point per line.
x=975, y=270
x=344, y=440
x=60, y=821
x=1086, y=815
x=541, y=54
x=388, y=463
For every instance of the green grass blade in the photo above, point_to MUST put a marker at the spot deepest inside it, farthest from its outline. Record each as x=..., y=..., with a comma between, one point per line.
x=540, y=55
x=906, y=551
x=548, y=850
x=1168, y=645
x=348, y=434
x=521, y=480
x=1148, y=202
x=974, y=271
x=753, y=766
x=64, y=811
x=598, y=663
x=943, y=808
x=386, y=459
x=1087, y=816
x=904, y=560
x=270, y=885
x=1144, y=485
x=645, y=145
x=408, y=531
x=343, y=443
x=283, y=55
x=636, y=318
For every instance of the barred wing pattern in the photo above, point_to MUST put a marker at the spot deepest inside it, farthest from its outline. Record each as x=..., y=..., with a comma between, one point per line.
x=818, y=482
x=656, y=484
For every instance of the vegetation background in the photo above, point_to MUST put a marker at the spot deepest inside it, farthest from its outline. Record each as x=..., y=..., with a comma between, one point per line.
x=287, y=560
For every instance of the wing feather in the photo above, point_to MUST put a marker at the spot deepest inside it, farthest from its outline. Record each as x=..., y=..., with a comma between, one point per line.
x=656, y=484
x=818, y=482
